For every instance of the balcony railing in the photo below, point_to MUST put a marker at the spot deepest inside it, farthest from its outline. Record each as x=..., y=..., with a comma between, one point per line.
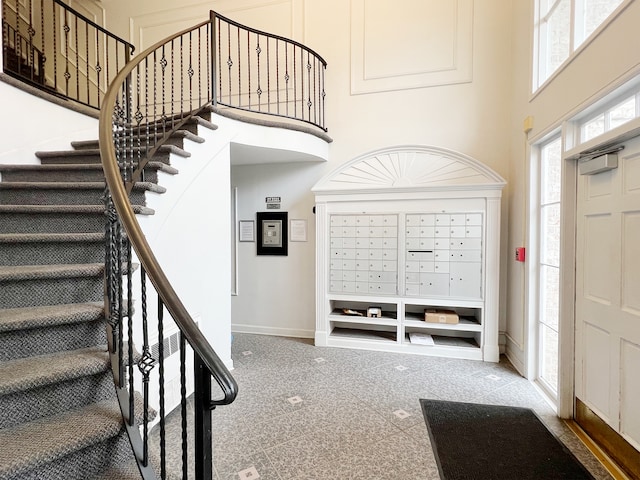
x=261, y=72
x=53, y=47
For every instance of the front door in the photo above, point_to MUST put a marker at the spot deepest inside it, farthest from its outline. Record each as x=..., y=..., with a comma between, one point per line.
x=607, y=380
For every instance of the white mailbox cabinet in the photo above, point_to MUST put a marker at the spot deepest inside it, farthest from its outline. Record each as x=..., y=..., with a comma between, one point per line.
x=405, y=229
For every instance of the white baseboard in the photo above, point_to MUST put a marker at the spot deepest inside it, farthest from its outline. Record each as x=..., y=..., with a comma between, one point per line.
x=275, y=331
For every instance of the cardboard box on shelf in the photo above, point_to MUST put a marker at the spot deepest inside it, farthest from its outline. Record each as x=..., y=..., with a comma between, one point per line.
x=432, y=315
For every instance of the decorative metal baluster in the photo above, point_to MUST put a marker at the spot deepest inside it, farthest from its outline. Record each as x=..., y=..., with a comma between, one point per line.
x=210, y=95
x=172, y=113
x=163, y=67
x=111, y=259
x=259, y=90
x=199, y=66
x=98, y=67
x=163, y=446
x=77, y=69
x=229, y=60
x=202, y=410
x=32, y=32
x=146, y=105
x=54, y=43
x=145, y=365
x=155, y=94
x=302, y=83
x=309, y=102
x=67, y=29
x=286, y=76
x=190, y=72
x=130, y=359
x=239, y=70
x=249, y=70
x=86, y=50
x=17, y=42
x=323, y=99
x=295, y=85
x=181, y=73
x=268, y=80
x=183, y=406
x=277, y=78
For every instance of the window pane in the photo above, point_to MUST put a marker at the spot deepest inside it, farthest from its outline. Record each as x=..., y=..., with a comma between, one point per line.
x=549, y=296
x=549, y=356
x=558, y=35
x=550, y=173
x=550, y=234
x=622, y=113
x=596, y=12
x=592, y=128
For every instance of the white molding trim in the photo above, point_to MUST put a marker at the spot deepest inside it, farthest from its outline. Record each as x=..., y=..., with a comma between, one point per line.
x=458, y=70
x=275, y=331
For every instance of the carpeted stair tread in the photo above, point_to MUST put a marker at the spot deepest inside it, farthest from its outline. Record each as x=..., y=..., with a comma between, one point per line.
x=13, y=319
x=179, y=134
x=96, y=152
x=35, y=444
x=73, y=166
x=147, y=186
x=50, y=237
x=37, y=272
x=129, y=471
x=50, y=167
x=34, y=209
x=32, y=372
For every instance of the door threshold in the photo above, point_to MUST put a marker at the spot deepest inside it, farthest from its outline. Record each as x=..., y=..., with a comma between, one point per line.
x=607, y=462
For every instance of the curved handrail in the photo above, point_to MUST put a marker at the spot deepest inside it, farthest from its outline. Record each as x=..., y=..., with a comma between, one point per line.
x=271, y=35
x=138, y=241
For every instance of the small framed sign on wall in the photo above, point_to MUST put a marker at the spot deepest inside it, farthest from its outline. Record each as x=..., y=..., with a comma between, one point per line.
x=272, y=233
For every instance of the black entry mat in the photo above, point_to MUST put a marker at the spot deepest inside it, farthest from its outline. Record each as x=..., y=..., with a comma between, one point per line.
x=489, y=442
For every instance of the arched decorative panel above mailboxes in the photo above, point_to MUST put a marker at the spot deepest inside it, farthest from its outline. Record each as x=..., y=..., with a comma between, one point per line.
x=410, y=167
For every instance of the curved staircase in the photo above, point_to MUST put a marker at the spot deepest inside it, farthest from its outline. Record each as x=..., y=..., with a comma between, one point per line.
x=59, y=415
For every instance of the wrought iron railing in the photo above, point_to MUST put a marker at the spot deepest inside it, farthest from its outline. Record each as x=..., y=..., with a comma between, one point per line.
x=154, y=95
x=261, y=72
x=55, y=48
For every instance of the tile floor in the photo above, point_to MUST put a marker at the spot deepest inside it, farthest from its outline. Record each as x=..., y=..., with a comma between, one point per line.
x=306, y=412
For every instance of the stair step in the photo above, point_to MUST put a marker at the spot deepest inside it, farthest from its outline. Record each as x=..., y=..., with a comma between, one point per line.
x=51, y=248
x=39, y=285
x=52, y=173
x=89, y=172
x=93, y=155
x=66, y=193
x=77, y=444
x=57, y=218
x=176, y=139
x=45, y=385
x=50, y=329
x=12, y=319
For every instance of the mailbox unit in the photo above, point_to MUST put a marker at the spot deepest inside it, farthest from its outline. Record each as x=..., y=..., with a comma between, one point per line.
x=407, y=229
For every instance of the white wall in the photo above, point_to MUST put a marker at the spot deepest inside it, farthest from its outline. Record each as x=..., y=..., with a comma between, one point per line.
x=606, y=62
x=276, y=294
x=458, y=96
x=27, y=127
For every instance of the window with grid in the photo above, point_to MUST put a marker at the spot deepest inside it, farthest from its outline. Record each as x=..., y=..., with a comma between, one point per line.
x=562, y=26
